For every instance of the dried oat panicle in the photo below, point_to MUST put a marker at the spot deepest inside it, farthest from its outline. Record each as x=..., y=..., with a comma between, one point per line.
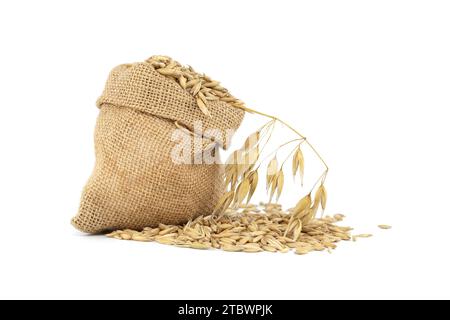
x=242, y=168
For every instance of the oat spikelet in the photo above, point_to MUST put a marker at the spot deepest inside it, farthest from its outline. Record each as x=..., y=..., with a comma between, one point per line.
x=272, y=170
x=303, y=205
x=224, y=202
x=321, y=197
x=324, y=197
x=242, y=191
x=301, y=210
x=280, y=183
x=253, y=178
x=252, y=141
x=298, y=164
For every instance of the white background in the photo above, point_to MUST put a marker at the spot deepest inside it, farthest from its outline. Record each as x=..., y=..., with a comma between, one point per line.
x=366, y=81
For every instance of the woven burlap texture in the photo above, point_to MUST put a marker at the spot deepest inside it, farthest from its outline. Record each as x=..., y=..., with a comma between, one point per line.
x=135, y=183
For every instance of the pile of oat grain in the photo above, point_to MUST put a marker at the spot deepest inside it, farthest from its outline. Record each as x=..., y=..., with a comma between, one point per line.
x=251, y=229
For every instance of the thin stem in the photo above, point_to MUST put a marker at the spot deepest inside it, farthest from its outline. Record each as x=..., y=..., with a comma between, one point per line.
x=322, y=177
x=290, y=127
x=274, y=118
x=266, y=125
x=271, y=126
x=318, y=155
x=278, y=149
x=272, y=129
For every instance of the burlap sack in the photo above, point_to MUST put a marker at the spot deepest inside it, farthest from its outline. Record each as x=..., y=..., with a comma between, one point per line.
x=135, y=183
